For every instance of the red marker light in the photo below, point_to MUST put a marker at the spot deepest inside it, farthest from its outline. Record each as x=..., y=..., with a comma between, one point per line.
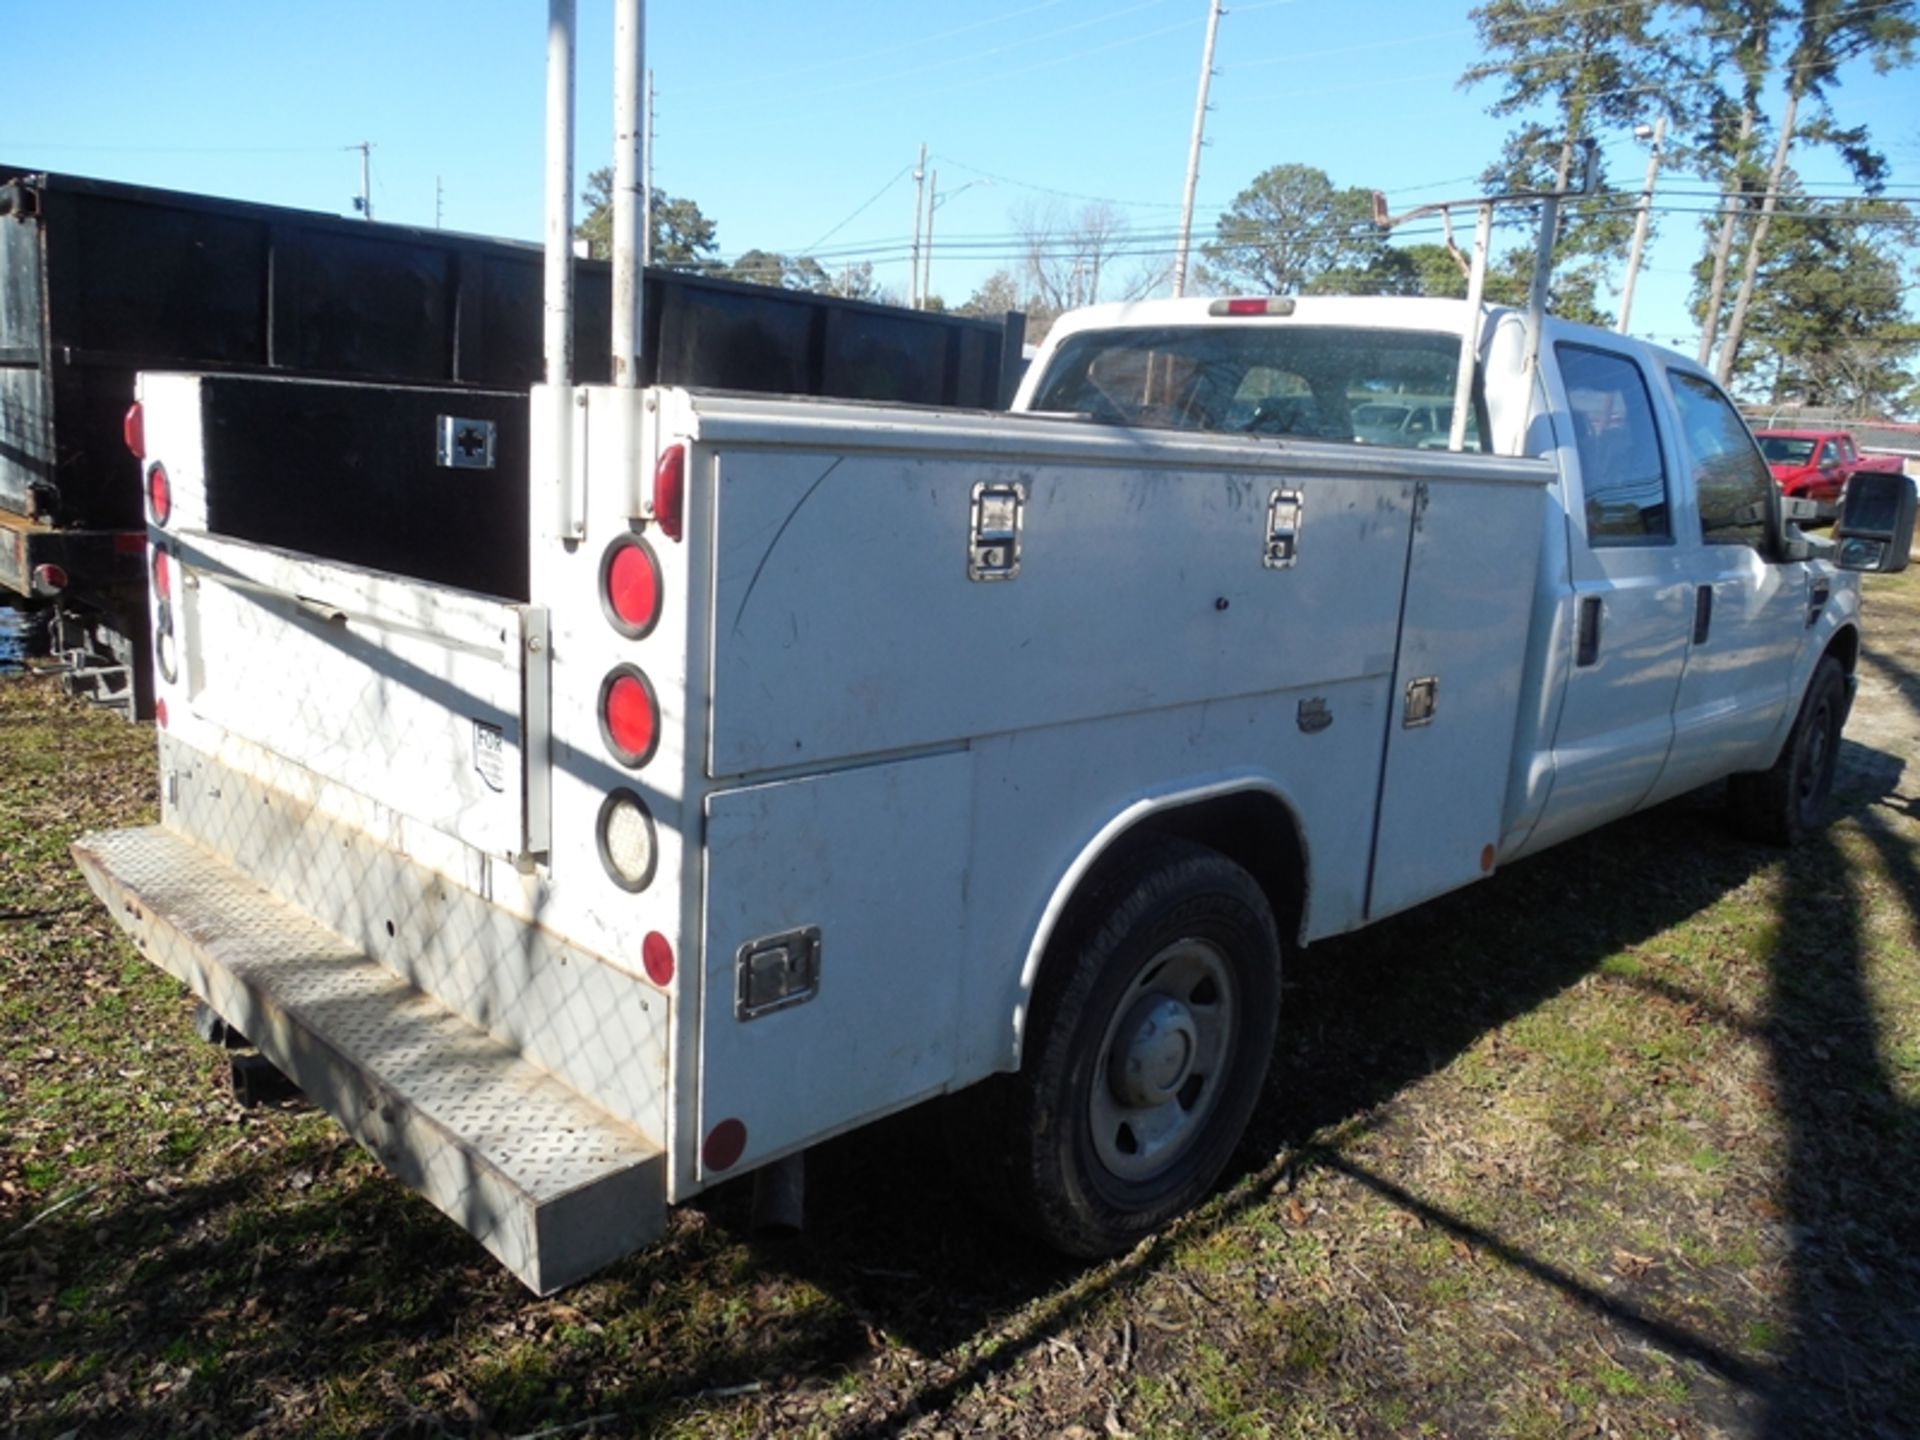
x=670, y=491
x=160, y=713
x=726, y=1142
x=162, y=574
x=159, y=493
x=133, y=429
x=656, y=955
x=630, y=587
x=629, y=716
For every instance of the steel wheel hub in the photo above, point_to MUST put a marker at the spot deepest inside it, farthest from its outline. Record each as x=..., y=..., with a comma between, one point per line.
x=1154, y=1052
x=1164, y=1057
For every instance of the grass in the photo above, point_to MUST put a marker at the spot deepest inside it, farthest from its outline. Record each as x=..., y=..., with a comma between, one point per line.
x=1619, y=1142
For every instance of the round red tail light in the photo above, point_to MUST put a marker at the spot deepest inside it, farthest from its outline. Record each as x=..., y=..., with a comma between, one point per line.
x=160, y=713
x=133, y=430
x=162, y=573
x=630, y=587
x=629, y=716
x=159, y=493
x=49, y=579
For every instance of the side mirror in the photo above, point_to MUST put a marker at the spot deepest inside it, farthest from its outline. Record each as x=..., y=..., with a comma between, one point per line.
x=1875, y=528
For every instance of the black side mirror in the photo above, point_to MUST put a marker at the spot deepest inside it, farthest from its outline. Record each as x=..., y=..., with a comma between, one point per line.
x=1875, y=528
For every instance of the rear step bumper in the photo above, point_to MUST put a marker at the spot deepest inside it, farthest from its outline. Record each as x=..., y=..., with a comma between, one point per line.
x=551, y=1184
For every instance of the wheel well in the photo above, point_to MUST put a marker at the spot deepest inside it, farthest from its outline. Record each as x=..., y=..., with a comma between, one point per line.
x=1255, y=830
x=1845, y=647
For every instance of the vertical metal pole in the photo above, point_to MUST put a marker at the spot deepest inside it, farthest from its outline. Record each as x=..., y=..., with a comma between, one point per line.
x=436, y=202
x=1640, y=224
x=646, y=184
x=554, y=489
x=926, y=252
x=1470, y=334
x=629, y=46
x=919, y=197
x=1537, y=303
x=1193, y=152
x=558, y=335
x=366, y=175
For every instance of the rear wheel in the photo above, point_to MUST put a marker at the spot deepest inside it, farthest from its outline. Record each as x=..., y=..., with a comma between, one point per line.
x=1780, y=805
x=1152, y=1025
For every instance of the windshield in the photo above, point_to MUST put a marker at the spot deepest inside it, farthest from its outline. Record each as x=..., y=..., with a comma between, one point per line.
x=1785, y=449
x=1373, y=387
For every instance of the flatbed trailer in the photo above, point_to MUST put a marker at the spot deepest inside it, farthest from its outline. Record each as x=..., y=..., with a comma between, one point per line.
x=100, y=280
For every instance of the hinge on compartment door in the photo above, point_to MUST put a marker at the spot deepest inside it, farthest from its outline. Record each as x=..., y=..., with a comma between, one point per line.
x=993, y=540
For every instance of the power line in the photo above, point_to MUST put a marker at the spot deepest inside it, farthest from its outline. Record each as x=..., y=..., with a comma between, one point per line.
x=897, y=175
x=1005, y=245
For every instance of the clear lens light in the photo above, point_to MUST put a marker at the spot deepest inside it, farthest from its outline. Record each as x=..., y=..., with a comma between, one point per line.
x=629, y=841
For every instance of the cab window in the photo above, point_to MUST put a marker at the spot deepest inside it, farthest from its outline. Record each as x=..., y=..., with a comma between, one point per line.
x=1319, y=382
x=1829, y=456
x=1735, y=490
x=1622, y=474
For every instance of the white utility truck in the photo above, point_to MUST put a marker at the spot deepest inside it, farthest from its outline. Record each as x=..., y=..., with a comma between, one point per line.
x=842, y=756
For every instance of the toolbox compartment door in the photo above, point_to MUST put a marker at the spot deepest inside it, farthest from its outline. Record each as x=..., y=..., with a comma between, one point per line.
x=873, y=861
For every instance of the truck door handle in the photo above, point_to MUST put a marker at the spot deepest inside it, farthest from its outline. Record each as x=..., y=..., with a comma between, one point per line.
x=1702, y=613
x=1587, y=643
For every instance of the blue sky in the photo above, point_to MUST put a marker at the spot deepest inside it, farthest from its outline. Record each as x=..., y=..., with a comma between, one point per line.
x=782, y=120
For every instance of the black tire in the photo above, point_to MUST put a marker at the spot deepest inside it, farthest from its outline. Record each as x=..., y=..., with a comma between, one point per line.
x=1780, y=805
x=1169, y=961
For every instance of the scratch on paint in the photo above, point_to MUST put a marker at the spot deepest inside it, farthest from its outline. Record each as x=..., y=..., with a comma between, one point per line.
x=773, y=544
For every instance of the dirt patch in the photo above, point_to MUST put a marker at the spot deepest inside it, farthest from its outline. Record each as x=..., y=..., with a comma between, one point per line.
x=1620, y=1142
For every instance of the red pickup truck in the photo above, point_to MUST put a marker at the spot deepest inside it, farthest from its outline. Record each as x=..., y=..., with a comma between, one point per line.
x=1815, y=464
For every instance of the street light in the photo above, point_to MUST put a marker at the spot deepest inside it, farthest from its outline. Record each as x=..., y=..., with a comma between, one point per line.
x=1654, y=136
x=934, y=203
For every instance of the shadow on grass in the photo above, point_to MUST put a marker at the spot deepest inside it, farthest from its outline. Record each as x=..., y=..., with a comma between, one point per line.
x=324, y=1306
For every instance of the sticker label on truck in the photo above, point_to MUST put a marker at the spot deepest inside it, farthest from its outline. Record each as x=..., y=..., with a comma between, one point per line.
x=490, y=755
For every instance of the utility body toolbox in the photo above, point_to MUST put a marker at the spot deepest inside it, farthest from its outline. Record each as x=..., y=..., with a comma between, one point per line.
x=100, y=280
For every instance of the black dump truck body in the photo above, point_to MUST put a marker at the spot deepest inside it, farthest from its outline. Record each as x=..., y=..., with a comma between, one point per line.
x=99, y=281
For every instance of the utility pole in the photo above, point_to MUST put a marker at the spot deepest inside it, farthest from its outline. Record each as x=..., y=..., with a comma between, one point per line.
x=365, y=207
x=436, y=202
x=919, y=198
x=1640, y=223
x=926, y=252
x=646, y=182
x=1193, y=151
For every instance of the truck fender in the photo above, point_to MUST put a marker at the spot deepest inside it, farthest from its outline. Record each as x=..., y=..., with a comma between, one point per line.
x=1283, y=868
x=1835, y=632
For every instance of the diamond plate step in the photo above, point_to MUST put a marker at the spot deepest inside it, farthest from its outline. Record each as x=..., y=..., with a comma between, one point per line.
x=551, y=1184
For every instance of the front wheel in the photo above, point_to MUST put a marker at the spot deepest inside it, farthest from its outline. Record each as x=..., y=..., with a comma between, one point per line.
x=1780, y=805
x=1152, y=1025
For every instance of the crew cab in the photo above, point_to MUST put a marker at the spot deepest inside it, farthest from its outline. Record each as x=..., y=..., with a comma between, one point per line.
x=1816, y=464
x=837, y=757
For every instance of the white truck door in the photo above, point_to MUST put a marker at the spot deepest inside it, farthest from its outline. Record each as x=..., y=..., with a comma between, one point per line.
x=1749, y=612
x=1631, y=594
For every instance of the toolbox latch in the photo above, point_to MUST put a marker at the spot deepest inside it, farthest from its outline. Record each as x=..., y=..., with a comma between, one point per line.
x=993, y=542
x=1286, y=512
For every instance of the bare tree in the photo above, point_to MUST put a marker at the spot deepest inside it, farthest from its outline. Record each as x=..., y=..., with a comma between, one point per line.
x=1068, y=260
